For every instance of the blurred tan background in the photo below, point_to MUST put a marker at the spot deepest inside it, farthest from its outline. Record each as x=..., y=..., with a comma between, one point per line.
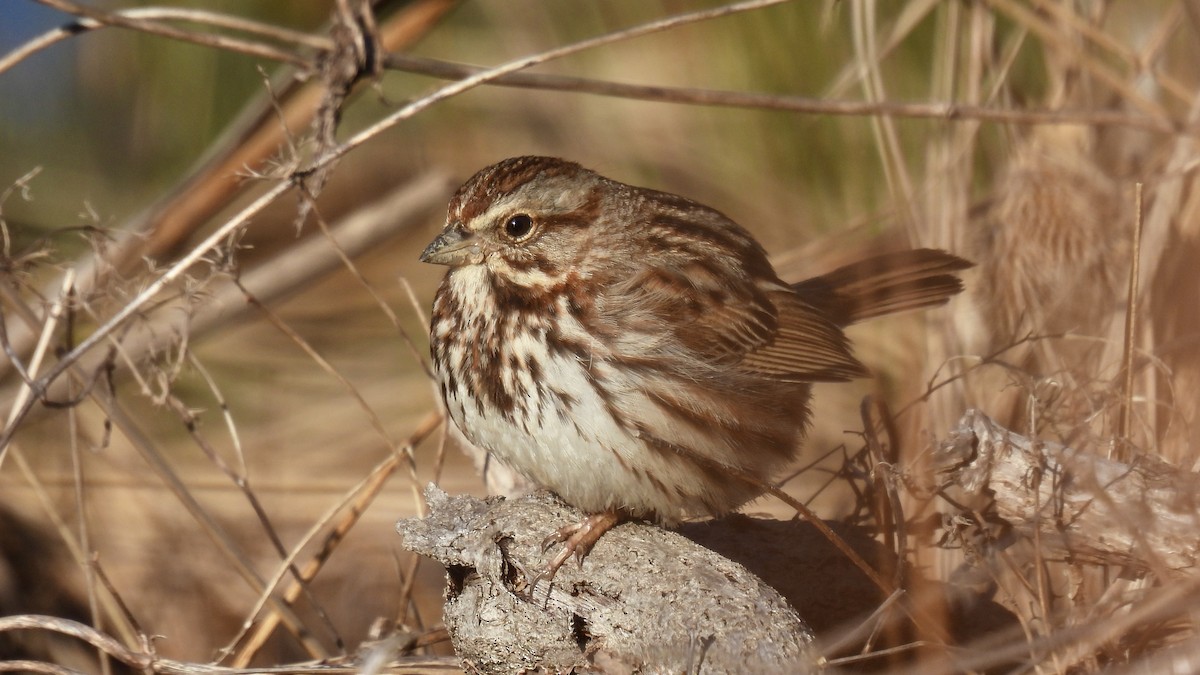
x=118, y=121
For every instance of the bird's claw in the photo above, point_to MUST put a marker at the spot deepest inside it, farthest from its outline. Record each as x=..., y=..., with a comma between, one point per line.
x=577, y=540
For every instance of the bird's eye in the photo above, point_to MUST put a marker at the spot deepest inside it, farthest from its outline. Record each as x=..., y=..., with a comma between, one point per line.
x=518, y=227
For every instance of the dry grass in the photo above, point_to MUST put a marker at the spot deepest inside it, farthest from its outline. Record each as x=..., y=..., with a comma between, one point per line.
x=229, y=411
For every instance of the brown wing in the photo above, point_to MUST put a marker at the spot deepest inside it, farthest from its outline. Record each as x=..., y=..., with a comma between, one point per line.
x=805, y=345
x=808, y=340
x=755, y=327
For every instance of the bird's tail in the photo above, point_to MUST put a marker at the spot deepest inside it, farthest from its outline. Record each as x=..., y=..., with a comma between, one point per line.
x=885, y=284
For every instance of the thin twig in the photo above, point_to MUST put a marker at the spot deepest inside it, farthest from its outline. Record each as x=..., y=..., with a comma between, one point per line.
x=149, y=453
x=30, y=392
x=242, y=482
x=150, y=663
x=951, y=112
x=52, y=37
x=1024, y=16
x=1123, y=450
x=357, y=499
x=204, y=39
x=349, y=265
x=76, y=630
x=224, y=541
x=920, y=618
x=372, y=417
x=1111, y=45
x=133, y=306
x=84, y=528
x=528, y=61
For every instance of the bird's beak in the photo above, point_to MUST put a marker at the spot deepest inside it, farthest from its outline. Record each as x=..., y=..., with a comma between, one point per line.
x=454, y=246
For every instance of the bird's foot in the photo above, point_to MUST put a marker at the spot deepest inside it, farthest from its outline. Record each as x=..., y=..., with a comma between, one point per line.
x=577, y=539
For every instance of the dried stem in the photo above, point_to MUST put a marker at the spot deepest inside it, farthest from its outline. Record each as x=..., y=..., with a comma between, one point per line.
x=1131, y=323
x=122, y=20
x=950, y=112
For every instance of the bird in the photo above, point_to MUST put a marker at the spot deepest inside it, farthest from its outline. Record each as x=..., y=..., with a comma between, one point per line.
x=633, y=351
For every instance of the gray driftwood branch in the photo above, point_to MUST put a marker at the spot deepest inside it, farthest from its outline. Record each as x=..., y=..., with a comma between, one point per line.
x=645, y=599
x=1143, y=516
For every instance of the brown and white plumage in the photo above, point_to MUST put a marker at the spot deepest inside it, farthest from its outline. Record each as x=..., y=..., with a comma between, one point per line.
x=624, y=347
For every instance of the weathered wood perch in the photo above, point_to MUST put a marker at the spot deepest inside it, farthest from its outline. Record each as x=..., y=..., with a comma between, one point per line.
x=645, y=599
x=1143, y=516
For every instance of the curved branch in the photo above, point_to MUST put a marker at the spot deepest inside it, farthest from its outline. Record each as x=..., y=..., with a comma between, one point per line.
x=145, y=20
x=79, y=631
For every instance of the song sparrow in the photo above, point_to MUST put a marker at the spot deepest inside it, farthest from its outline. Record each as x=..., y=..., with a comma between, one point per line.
x=632, y=350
